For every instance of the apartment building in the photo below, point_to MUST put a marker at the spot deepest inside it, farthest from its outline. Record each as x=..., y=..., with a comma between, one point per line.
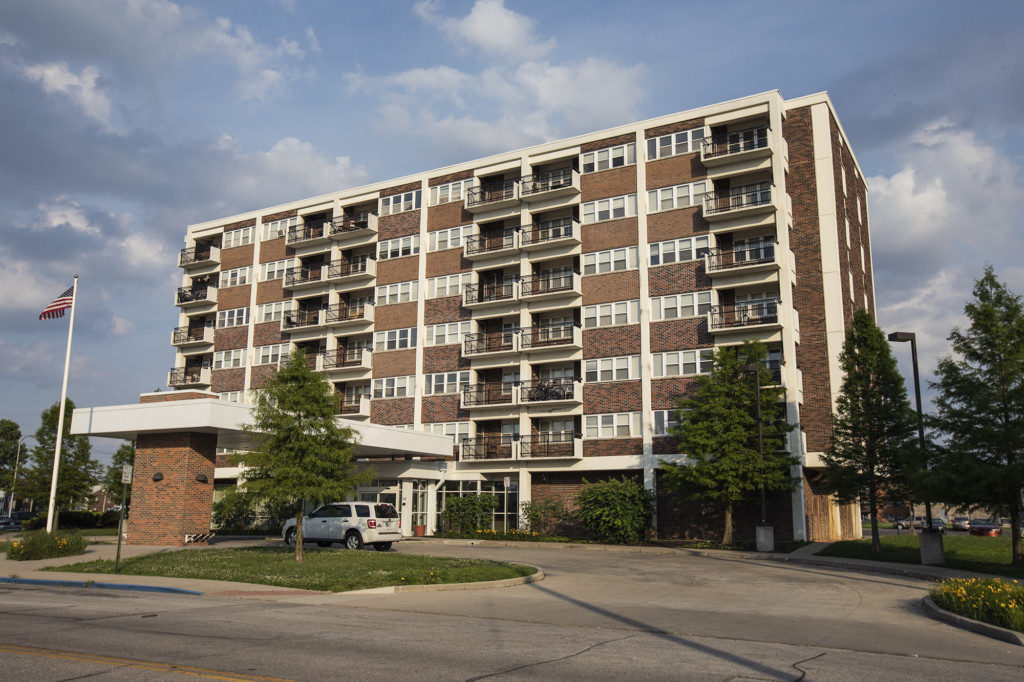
x=546, y=307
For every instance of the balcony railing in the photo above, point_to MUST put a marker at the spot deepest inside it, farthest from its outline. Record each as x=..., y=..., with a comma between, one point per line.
x=489, y=342
x=341, y=359
x=345, y=268
x=305, y=274
x=549, y=444
x=188, y=376
x=547, y=181
x=728, y=259
x=538, y=285
x=765, y=311
x=548, y=390
x=352, y=223
x=736, y=142
x=491, y=241
x=305, y=233
x=549, y=336
x=487, y=447
x=491, y=193
x=302, y=318
x=188, y=295
x=184, y=335
x=345, y=312
x=488, y=293
x=746, y=196
x=497, y=393
x=354, y=406
x=549, y=231
x=196, y=255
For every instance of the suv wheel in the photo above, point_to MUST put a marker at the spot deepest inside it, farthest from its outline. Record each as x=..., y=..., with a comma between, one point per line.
x=354, y=540
x=289, y=537
x=382, y=546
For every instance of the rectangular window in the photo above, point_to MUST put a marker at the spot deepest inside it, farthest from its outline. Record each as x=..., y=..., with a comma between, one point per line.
x=448, y=285
x=226, y=359
x=610, y=314
x=680, y=305
x=457, y=431
x=616, y=425
x=239, y=237
x=613, y=260
x=665, y=421
x=232, y=318
x=619, y=368
x=235, y=277
x=451, y=238
x=451, y=191
x=682, y=363
x=394, y=339
x=279, y=228
x=676, y=143
x=680, y=196
x=679, y=250
x=274, y=269
x=397, y=203
x=232, y=397
x=444, y=334
x=612, y=157
x=609, y=209
x=270, y=312
x=271, y=355
x=445, y=382
x=393, y=387
x=397, y=248
x=399, y=292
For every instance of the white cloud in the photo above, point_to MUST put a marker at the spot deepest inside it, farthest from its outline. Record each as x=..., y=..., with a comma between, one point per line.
x=311, y=39
x=82, y=88
x=120, y=326
x=490, y=27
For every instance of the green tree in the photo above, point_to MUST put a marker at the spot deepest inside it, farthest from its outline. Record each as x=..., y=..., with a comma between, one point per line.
x=301, y=453
x=718, y=434
x=125, y=454
x=874, y=438
x=78, y=473
x=980, y=408
x=10, y=435
x=616, y=510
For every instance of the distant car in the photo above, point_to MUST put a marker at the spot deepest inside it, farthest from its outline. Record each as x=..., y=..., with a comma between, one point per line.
x=8, y=524
x=24, y=515
x=987, y=527
x=353, y=523
x=961, y=523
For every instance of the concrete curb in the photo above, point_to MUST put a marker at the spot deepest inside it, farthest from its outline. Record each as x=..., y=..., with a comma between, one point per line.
x=976, y=626
x=443, y=587
x=89, y=584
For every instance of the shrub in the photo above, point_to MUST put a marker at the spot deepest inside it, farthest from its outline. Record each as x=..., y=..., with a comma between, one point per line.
x=238, y=511
x=993, y=600
x=46, y=546
x=470, y=513
x=543, y=517
x=75, y=519
x=617, y=511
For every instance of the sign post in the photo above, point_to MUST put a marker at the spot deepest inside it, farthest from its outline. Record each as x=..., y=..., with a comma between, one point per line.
x=126, y=480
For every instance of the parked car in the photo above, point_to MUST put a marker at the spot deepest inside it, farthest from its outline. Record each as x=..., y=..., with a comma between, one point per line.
x=8, y=524
x=353, y=523
x=961, y=523
x=910, y=522
x=986, y=527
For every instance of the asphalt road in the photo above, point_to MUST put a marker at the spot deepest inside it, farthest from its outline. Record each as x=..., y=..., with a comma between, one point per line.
x=596, y=616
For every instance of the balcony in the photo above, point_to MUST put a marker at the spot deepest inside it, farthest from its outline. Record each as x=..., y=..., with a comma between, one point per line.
x=484, y=448
x=547, y=286
x=346, y=315
x=308, y=235
x=352, y=226
x=552, y=338
x=757, y=264
x=740, y=202
x=550, y=234
x=736, y=147
x=493, y=196
x=353, y=360
x=193, y=377
x=550, y=184
x=496, y=394
x=554, y=445
x=491, y=244
x=303, y=276
x=354, y=407
x=303, y=319
x=551, y=392
x=482, y=295
x=744, y=316
x=356, y=270
x=199, y=255
x=195, y=297
x=490, y=344
x=185, y=337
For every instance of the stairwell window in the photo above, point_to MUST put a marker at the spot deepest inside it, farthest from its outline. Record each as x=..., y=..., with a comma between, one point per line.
x=609, y=209
x=676, y=143
x=399, y=203
x=613, y=260
x=680, y=196
x=612, y=157
x=679, y=250
x=678, y=306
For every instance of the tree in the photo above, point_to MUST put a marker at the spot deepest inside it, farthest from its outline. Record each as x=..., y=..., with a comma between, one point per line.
x=78, y=472
x=617, y=510
x=718, y=434
x=10, y=436
x=980, y=408
x=125, y=454
x=301, y=453
x=874, y=439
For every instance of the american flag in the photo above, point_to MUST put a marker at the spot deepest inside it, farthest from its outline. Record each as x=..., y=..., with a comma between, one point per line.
x=59, y=305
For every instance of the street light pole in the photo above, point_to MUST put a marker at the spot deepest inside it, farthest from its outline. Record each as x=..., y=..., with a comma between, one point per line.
x=910, y=336
x=14, y=479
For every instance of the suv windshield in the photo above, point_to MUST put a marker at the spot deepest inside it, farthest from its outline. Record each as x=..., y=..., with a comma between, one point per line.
x=385, y=511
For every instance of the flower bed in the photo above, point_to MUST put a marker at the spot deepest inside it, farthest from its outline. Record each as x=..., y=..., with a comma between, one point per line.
x=991, y=600
x=44, y=545
x=514, y=534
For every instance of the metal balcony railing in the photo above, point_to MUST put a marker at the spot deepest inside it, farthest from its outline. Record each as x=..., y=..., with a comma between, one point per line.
x=727, y=259
x=490, y=241
x=302, y=318
x=548, y=335
x=344, y=312
x=188, y=334
x=737, y=198
x=491, y=192
x=487, y=447
x=548, y=390
x=765, y=311
x=489, y=342
x=546, y=181
x=303, y=233
x=549, y=444
x=193, y=294
x=535, y=285
x=303, y=275
x=344, y=268
x=547, y=231
x=184, y=376
x=350, y=223
x=496, y=393
x=196, y=254
x=340, y=359
x=736, y=142
x=485, y=293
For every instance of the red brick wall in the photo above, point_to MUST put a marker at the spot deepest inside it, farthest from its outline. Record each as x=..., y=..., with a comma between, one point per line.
x=448, y=215
x=398, y=225
x=394, y=363
x=681, y=222
x=447, y=309
x=665, y=393
x=398, y=270
x=612, y=396
x=613, y=447
x=609, y=234
x=675, y=170
x=611, y=341
x=447, y=262
x=612, y=286
x=167, y=396
x=678, y=278
x=447, y=358
x=394, y=316
x=269, y=292
x=272, y=250
x=392, y=411
x=680, y=335
x=230, y=338
x=236, y=257
x=227, y=379
x=613, y=182
x=233, y=297
x=442, y=408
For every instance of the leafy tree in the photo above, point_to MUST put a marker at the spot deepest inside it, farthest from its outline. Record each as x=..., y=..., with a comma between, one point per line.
x=544, y=517
x=301, y=454
x=469, y=513
x=78, y=472
x=125, y=454
x=980, y=408
x=874, y=437
x=10, y=435
x=718, y=433
x=616, y=510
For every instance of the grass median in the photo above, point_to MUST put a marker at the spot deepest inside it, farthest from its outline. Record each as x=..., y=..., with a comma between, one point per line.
x=964, y=552
x=323, y=570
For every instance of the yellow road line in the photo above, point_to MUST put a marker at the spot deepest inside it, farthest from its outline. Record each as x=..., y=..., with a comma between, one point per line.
x=191, y=671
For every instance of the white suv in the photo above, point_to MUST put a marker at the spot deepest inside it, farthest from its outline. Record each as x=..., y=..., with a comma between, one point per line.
x=354, y=523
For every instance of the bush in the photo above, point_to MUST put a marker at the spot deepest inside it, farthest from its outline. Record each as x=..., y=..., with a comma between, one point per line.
x=46, y=546
x=470, y=513
x=75, y=519
x=238, y=511
x=616, y=511
x=514, y=534
x=992, y=600
x=543, y=517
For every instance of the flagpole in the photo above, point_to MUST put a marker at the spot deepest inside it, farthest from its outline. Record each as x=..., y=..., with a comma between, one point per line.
x=60, y=411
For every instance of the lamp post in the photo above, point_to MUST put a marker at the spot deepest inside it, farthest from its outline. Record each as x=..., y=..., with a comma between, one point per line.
x=14, y=479
x=765, y=532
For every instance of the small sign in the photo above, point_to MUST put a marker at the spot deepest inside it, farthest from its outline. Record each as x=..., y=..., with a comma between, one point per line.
x=508, y=481
x=126, y=473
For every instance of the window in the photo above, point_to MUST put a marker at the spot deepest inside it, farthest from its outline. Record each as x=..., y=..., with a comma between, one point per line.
x=665, y=421
x=279, y=228
x=608, y=314
x=445, y=382
x=444, y=334
x=451, y=191
x=609, y=209
x=843, y=169
x=397, y=248
x=860, y=217
x=679, y=250
x=451, y=238
x=682, y=363
x=676, y=143
x=233, y=397
x=225, y=359
x=612, y=157
x=614, y=260
x=863, y=268
x=680, y=305
x=271, y=355
x=448, y=285
x=617, y=425
x=274, y=269
x=395, y=339
x=393, y=387
x=850, y=273
x=847, y=233
x=456, y=430
x=270, y=312
x=397, y=203
x=619, y=368
x=235, y=277
x=399, y=292
x=680, y=196
x=239, y=237
x=232, y=318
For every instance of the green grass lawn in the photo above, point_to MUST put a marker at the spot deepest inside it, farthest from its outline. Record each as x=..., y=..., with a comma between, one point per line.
x=965, y=552
x=325, y=570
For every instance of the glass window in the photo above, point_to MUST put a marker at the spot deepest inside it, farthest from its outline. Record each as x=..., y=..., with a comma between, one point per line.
x=614, y=260
x=448, y=285
x=398, y=248
x=399, y=292
x=679, y=250
x=618, y=368
x=397, y=203
x=235, y=277
x=608, y=314
x=450, y=238
x=239, y=237
x=680, y=196
x=232, y=318
x=680, y=305
x=393, y=387
x=616, y=425
x=451, y=191
x=395, y=339
x=278, y=228
x=612, y=157
x=609, y=209
x=675, y=143
x=274, y=270
x=445, y=382
x=447, y=333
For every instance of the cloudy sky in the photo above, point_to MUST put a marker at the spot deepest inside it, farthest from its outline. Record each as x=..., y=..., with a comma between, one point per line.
x=121, y=121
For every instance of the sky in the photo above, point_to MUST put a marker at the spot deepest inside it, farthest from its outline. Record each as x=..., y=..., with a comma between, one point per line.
x=122, y=121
